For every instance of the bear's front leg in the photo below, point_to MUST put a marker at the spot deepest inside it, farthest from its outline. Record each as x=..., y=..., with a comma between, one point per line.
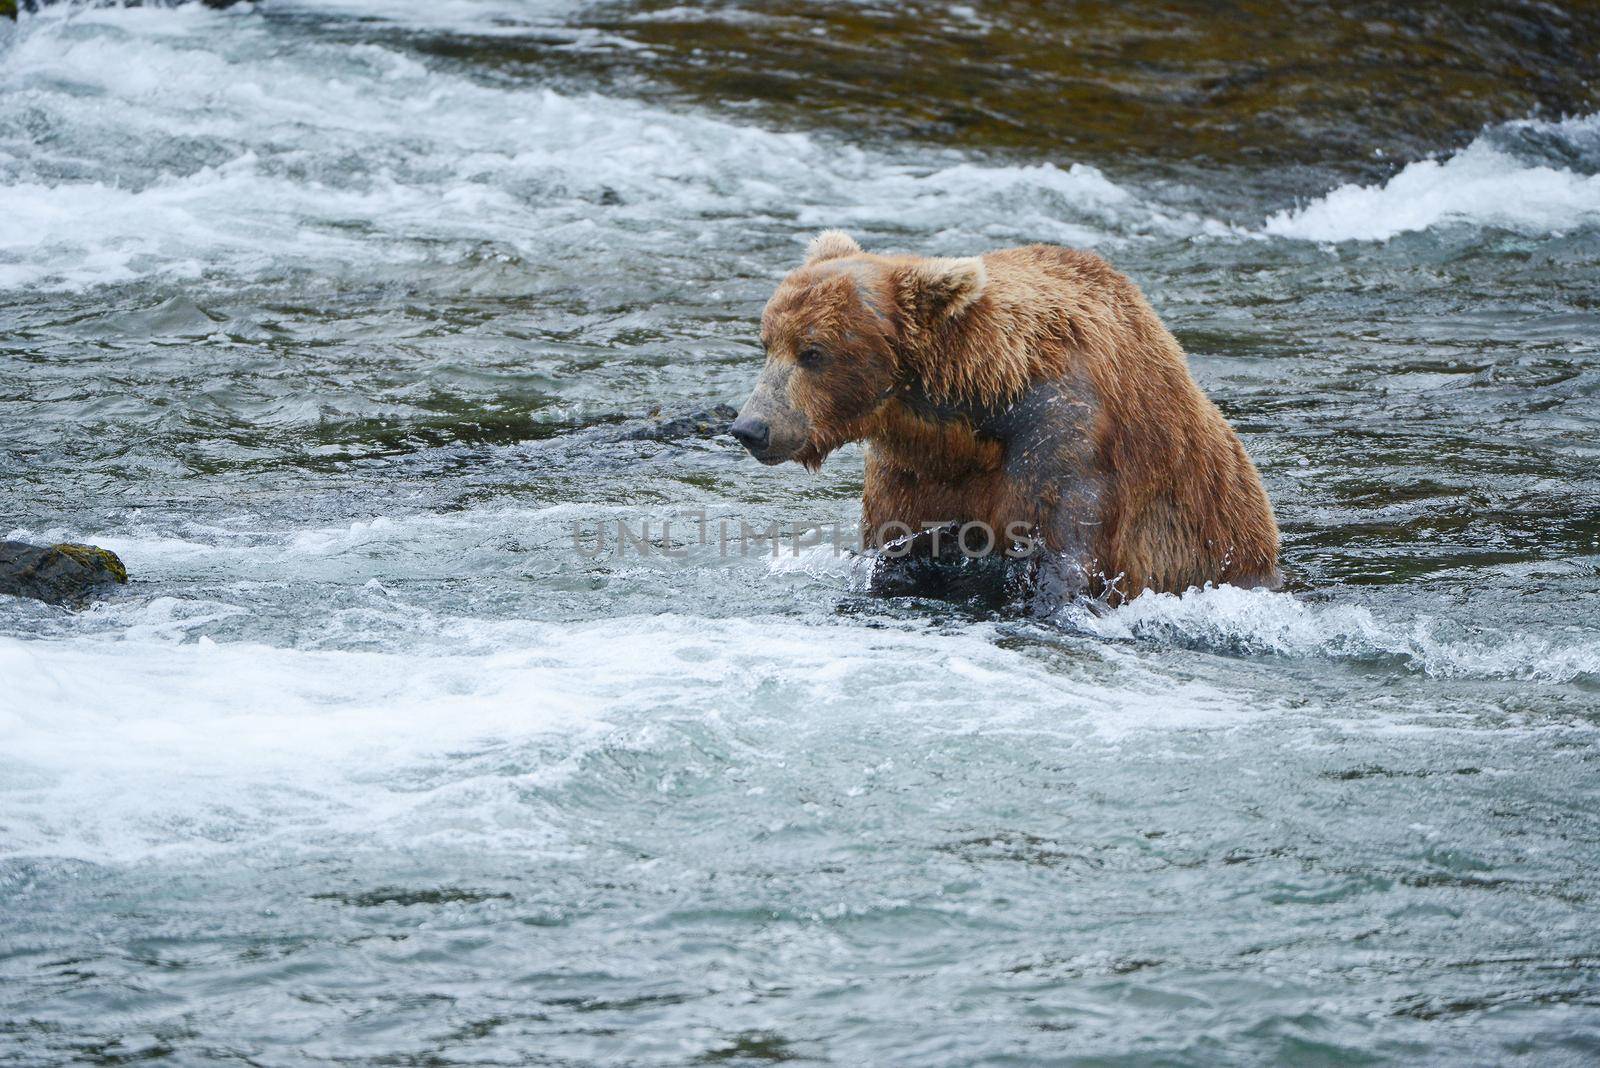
x=931, y=544
x=1024, y=539
x=888, y=502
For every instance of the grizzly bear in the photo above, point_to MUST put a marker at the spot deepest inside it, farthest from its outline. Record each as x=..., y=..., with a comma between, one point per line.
x=1030, y=395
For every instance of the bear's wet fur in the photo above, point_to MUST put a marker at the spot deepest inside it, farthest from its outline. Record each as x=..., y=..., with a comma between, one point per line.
x=1030, y=390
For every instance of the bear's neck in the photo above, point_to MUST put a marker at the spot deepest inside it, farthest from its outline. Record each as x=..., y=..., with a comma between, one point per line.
x=938, y=441
x=952, y=440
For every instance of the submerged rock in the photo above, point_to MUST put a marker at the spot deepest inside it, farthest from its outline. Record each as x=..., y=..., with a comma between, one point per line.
x=657, y=427
x=937, y=569
x=67, y=573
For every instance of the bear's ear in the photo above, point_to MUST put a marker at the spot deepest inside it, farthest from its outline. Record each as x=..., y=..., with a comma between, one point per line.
x=830, y=245
x=942, y=288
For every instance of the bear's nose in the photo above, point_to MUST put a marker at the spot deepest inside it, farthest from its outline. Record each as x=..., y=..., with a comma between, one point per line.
x=753, y=434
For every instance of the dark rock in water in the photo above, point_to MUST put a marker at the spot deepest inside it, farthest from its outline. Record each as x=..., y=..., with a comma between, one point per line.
x=656, y=427
x=932, y=565
x=990, y=582
x=60, y=574
x=618, y=439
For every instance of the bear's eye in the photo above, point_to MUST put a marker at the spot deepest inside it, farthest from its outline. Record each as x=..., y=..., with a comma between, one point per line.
x=810, y=358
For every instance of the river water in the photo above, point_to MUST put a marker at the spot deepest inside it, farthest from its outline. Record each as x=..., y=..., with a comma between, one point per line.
x=321, y=315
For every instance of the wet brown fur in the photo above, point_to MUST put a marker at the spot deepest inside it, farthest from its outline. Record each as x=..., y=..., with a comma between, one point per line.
x=1138, y=473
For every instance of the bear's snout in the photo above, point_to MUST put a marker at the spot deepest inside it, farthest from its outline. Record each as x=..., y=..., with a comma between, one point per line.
x=752, y=433
x=769, y=425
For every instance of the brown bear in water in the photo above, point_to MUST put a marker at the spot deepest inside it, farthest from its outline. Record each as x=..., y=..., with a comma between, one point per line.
x=1031, y=393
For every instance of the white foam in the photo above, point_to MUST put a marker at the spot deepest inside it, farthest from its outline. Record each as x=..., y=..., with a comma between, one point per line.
x=118, y=750
x=199, y=142
x=495, y=18
x=428, y=545
x=1482, y=185
x=843, y=568
x=242, y=547
x=1262, y=622
x=132, y=733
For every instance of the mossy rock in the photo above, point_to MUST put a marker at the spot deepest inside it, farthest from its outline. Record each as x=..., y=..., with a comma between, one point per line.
x=68, y=573
x=8, y=10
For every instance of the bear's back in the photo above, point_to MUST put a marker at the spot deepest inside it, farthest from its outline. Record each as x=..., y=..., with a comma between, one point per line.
x=1183, y=504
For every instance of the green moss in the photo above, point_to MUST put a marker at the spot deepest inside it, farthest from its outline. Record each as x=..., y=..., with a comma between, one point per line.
x=92, y=555
x=8, y=9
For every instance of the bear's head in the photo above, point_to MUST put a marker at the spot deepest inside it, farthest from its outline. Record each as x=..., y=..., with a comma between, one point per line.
x=841, y=334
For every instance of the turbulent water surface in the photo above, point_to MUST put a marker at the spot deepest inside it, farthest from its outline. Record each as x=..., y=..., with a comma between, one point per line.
x=321, y=315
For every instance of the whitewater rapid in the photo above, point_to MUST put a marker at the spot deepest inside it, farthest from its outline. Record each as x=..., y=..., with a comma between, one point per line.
x=142, y=736
x=267, y=157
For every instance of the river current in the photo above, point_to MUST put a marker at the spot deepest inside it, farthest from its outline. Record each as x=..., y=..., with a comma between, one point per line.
x=323, y=316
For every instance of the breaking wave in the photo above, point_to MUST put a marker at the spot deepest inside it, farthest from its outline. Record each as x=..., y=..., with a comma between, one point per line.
x=1262, y=622
x=1532, y=177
